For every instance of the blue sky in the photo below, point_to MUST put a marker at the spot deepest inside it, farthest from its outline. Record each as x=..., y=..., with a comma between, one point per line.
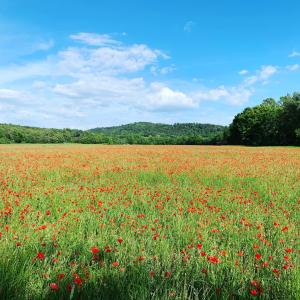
x=84, y=64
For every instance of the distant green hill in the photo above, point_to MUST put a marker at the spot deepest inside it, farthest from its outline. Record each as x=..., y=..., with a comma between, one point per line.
x=135, y=133
x=147, y=129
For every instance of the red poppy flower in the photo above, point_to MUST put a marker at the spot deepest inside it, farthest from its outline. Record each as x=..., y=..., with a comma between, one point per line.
x=151, y=273
x=60, y=276
x=77, y=279
x=258, y=256
x=40, y=256
x=213, y=259
x=253, y=292
x=53, y=286
x=95, y=250
x=116, y=264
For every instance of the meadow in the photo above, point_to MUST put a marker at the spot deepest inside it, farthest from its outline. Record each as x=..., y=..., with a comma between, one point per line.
x=149, y=222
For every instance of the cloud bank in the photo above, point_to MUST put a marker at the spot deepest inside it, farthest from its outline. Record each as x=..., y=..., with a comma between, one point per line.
x=99, y=75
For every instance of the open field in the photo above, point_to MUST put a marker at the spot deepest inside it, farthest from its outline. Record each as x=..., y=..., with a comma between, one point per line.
x=149, y=222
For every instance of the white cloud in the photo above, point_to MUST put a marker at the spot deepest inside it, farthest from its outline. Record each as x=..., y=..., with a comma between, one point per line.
x=234, y=95
x=243, y=72
x=107, y=79
x=107, y=60
x=294, y=54
x=262, y=75
x=162, y=97
x=167, y=70
x=6, y=94
x=155, y=70
x=188, y=26
x=94, y=39
x=267, y=71
x=293, y=67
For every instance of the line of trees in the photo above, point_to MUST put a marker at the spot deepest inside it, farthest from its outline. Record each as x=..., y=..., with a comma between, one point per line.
x=268, y=124
x=153, y=134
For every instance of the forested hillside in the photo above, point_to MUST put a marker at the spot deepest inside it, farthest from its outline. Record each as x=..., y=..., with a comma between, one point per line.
x=153, y=129
x=156, y=133
x=136, y=133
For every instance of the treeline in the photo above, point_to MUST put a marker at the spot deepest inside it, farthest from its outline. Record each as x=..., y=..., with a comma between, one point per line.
x=268, y=124
x=24, y=134
x=136, y=133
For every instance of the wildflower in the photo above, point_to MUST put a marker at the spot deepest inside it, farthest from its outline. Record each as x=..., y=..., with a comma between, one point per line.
x=116, y=264
x=213, y=259
x=40, y=256
x=285, y=266
x=167, y=274
x=77, y=279
x=53, y=286
x=60, y=276
x=151, y=273
x=253, y=292
x=258, y=256
x=265, y=263
x=95, y=250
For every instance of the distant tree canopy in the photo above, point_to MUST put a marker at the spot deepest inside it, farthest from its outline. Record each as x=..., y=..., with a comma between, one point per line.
x=136, y=133
x=268, y=124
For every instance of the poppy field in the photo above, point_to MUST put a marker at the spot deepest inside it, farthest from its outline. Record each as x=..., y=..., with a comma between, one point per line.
x=149, y=222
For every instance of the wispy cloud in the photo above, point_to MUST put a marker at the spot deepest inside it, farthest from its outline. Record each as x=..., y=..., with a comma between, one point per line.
x=94, y=39
x=294, y=53
x=293, y=68
x=243, y=72
x=262, y=75
x=188, y=26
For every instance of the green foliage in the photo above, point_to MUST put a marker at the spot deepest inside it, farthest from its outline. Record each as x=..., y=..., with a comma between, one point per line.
x=23, y=134
x=137, y=133
x=270, y=123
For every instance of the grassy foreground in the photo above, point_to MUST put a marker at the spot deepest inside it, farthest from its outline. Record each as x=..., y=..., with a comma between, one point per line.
x=149, y=222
